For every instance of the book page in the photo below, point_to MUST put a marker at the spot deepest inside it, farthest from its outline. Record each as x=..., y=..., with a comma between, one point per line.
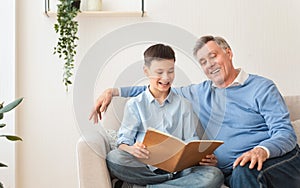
x=164, y=150
x=195, y=151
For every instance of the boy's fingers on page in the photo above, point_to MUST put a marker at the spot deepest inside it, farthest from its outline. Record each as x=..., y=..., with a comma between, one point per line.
x=208, y=164
x=140, y=154
x=211, y=156
x=209, y=161
x=140, y=145
x=145, y=151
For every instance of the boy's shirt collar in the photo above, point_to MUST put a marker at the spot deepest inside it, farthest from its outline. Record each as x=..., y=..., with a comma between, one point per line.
x=152, y=99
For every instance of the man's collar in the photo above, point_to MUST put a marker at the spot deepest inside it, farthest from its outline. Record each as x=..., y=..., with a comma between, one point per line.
x=239, y=80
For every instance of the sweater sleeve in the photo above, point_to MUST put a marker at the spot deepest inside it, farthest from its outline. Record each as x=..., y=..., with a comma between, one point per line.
x=274, y=110
x=132, y=91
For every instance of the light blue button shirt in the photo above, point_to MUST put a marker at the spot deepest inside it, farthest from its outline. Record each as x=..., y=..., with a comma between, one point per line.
x=174, y=116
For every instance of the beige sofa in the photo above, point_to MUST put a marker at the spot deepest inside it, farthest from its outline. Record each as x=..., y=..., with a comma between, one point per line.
x=93, y=147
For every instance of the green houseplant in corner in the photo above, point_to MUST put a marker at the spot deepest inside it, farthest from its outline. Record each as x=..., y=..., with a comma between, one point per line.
x=4, y=109
x=67, y=28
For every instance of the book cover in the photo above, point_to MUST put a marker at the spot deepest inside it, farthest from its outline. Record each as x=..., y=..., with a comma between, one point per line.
x=172, y=154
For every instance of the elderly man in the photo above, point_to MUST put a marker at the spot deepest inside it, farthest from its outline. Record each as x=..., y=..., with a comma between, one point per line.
x=246, y=111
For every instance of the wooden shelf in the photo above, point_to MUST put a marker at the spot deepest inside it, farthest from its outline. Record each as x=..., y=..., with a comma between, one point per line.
x=141, y=13
x=105, y=14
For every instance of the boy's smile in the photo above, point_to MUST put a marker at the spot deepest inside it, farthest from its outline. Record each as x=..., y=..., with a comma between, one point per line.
x=161, y=75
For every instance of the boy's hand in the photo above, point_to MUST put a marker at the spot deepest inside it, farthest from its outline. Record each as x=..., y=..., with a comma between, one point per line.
x=209, y=160
x=139, y=150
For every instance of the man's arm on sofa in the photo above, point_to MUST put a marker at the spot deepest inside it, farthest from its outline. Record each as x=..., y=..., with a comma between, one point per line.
x=102, y=102
x=105, y=98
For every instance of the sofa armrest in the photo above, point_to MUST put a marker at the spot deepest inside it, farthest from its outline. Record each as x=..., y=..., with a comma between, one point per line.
x=91, y=160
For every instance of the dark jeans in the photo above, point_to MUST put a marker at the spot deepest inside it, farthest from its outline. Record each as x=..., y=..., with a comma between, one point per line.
x=126, y=167
x=278, y=172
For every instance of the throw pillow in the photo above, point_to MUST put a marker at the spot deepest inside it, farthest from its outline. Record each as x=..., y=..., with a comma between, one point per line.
x=112, y=138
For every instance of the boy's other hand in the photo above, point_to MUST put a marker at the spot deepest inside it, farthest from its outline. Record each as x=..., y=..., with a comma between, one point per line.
x=209, y=160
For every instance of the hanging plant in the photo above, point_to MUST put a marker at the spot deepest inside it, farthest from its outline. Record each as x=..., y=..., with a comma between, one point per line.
x=67, y=28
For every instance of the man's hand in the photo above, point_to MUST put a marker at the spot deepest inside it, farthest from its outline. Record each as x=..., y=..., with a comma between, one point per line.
x=255, y=156
x=209, y=160
x=138, y=150
x=102, y=104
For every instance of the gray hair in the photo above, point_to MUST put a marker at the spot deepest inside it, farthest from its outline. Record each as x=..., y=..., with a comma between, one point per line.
x=205, y=39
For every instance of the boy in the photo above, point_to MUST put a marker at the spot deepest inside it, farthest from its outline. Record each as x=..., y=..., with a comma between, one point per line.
x=158, y=107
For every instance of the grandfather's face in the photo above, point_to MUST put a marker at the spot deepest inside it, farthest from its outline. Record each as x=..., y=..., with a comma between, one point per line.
x=217, y=64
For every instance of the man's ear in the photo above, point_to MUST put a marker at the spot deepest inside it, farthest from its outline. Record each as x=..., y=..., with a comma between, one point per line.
x=229, y=53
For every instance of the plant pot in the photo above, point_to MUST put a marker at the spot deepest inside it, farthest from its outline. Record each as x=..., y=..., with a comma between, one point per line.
x=91, y=5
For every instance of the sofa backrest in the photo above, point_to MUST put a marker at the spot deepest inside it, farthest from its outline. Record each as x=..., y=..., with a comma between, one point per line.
x=113, y=116
x=293, y=104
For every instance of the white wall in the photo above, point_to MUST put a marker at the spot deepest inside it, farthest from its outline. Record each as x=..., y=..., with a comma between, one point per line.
x=7, y=90
x=263, y=36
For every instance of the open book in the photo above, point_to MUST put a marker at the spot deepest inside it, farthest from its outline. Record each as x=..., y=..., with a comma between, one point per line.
x=171, y=154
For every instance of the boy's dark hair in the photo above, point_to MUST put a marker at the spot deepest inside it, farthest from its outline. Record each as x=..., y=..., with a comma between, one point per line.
x=158, y=52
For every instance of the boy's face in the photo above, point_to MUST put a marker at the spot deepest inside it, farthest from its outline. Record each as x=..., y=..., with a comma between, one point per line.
x=161, y=75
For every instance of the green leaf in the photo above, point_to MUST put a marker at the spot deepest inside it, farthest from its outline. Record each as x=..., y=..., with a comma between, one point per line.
x=1, y=115
x=2, y=125
x=2, y=165
x=11, y=105
x=12, y=137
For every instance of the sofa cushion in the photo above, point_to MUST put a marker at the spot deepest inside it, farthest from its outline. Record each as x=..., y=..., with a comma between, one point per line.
x=112, y=136
x=113, y=116
x=296, y=125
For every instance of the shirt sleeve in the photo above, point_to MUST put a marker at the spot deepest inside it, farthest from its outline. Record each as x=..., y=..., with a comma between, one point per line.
x=274, y=110
x=130, y=124
x=131, y=91
x=264, y=148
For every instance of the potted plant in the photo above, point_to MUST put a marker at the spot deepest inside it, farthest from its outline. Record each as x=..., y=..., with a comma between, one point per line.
x=4, y=109
x=67, y=28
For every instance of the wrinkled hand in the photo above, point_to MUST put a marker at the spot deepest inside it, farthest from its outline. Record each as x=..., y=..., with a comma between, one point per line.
x=254, y=156
x=101, y=105
x=209, y=160
x=138, y=150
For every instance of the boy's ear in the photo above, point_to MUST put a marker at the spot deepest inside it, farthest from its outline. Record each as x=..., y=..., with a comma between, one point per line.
x=146, y=70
